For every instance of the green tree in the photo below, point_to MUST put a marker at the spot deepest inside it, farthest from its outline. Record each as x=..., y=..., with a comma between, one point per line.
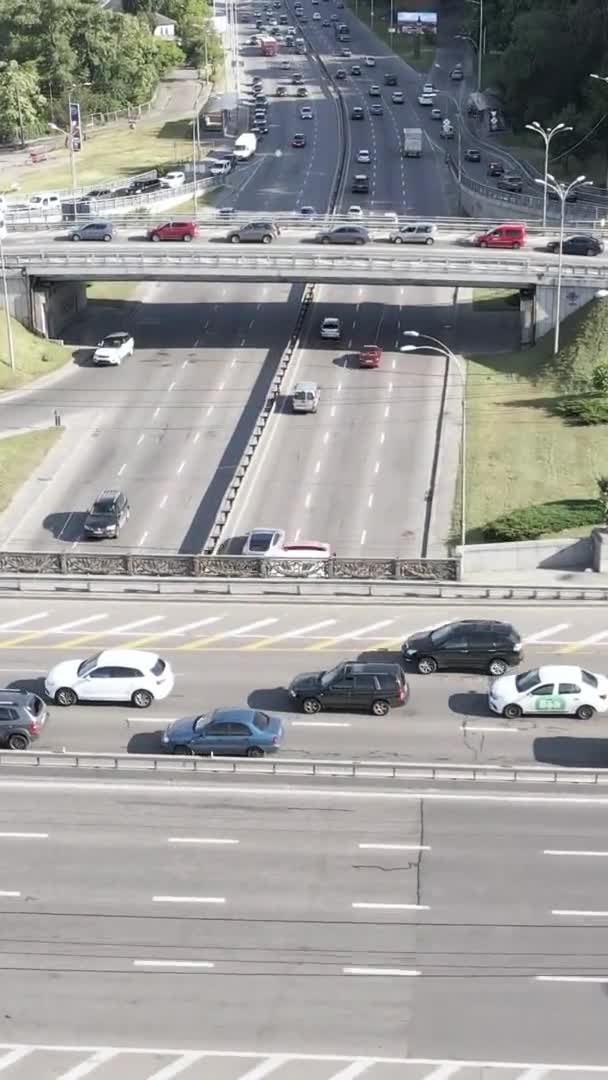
x=599, y=378
x=602, y=490
x=22, y=106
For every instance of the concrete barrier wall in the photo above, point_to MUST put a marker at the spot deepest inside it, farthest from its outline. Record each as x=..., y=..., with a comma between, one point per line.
x=575, y=553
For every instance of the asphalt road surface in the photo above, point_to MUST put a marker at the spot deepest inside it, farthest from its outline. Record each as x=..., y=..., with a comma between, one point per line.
x=229, y=653
x=300, y=921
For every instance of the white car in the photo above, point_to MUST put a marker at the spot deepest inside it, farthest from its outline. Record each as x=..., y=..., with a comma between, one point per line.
x=331, y=328
x=355, y=212
x=173, y=179
x=306, y=112
x=370, y=61
x=397, y=97
x=316, y=16
x=262, y=541
x=426, y=99
x=114, y=348
x=428, y=88
x=364, y=157
x=557, y=689
x=111, y=675
x=285, y=65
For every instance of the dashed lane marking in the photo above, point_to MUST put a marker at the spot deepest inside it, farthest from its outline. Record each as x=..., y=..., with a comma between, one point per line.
x=349, y=635
x=201, y=643
x=264, y=642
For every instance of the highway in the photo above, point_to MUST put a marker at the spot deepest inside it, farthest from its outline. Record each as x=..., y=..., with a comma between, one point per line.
x=232, y=653
x=425, y=927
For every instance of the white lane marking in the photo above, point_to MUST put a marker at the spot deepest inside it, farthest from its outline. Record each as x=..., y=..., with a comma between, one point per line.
x=370, y=501
x=571, y=979
x=121, y=470
x=200, y=840
x=189, y=899
x=156, y=412
x=307, y=500
x=356, y=1068
x=373, y=905
x=141, y=439
x=171, y=386
x=185, y=363
x=88, y=1066
x=587, y=854
x=487, y=727
x=354, y=634
x=326, y=437
x=13, y=1056
x=197, y=437
x=265, y=1068
x=126, y=627
x=390, y=387
x=592, y=639
x=394, y=847
x=174, y=1068
x=77, y=622
x=318, y=467
x=377, y=467
x=210, y=410
x=143, y=539
x=5, y=892
x=297, y=536
x=181, y=467
x=363, y=536
x=221, y=386
x=21, y=622
x=378, y=971
x=173, y=963
x=245, y=629
x=580, y=914
x=163, y=502
x=542, y=634
x=387, y=413
x=382, y=434
x=303, y=630
x=320, y=723
x=24, y=835
x=332, y=411
x=443, y=1072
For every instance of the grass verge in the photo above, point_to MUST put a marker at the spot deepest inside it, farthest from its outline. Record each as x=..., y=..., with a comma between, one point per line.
x=495, y=299
x=414, y=51
x=34, y=356
x=519, y=451
x=19, y=456
x=107, y=154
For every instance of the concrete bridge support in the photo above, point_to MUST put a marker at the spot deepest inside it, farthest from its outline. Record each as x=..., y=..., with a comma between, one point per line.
x=44, y=307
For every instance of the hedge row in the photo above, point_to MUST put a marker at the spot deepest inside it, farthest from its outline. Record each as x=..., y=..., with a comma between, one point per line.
x=534, y=521
x=584, y=410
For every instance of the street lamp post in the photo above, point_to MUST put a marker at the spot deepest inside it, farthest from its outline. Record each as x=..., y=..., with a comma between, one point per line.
x=195, y=144
x=546, y=135
x=441, y=347
x=70, y=139
x=562, y=191
x=9, y=327
x=479, y=4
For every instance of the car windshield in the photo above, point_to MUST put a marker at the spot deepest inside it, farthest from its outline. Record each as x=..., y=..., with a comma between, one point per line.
x=104, y=505
x=112, y=341
x=260, y=541
x=89, y=665
x=328, y=676
x=261, y=721
x=527, y=680
x=442, y=634
x=158, y=666
x=200, y=722
x=589, y=678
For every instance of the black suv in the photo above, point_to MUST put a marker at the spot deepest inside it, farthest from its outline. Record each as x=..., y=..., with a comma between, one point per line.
x=108, y=514
x=390, y=79
x=473, y=644
x=580, y=244
x=22, y=715
x=351, y=686
x=360, y=184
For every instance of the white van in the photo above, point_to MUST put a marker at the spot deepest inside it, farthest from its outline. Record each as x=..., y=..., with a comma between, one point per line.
x=305, y=397
x=219, y=167
x=45, y=202
x=245, y=146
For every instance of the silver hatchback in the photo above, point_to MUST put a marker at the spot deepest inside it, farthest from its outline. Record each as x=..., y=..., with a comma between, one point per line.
x=344, y=234
x=419, y=233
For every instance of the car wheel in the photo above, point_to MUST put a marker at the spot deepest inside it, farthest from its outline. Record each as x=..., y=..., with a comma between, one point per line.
x=235, y=238
x=585, y=712
x=267, y=239
x=590, y=251
x=183, y=751
x=397, y=240
x=254, y=751
x=497, y=667
x=66, y=696
x=429, y=240
x=380, y=708
x=512, y=712
x=155, y=238
x=18, y=741
x=108, y=236
x=142, y=699
x=515, y=246
x=426, y=665
x=483, y=244
x=359, y=241
x=75, y=237
x=187, y=238
x=311, y=705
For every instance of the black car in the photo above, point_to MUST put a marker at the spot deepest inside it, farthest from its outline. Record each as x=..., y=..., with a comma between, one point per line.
x=472, y=155
x=496, y=168
x=511, y=183
x=297, y=79
x=22, y=716
x=570, y=197
x=351, y=686
x=340, y=73
x=580, y=244
x=390, y=79
x=142, y=186
x=473, y=644
x=357, y=113
x=360, y=184
x=108, y=514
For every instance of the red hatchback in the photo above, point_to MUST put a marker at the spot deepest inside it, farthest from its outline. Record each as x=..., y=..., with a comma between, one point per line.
x=370, y=356
x=174, y=230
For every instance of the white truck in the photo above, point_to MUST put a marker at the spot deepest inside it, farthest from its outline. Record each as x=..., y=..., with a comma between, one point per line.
x=412, y=142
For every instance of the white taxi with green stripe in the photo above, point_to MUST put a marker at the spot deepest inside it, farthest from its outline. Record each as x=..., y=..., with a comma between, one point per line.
x=559, y=689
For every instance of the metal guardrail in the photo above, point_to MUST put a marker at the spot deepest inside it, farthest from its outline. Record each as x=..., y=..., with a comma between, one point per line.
x=283, y=263
x=297, y=767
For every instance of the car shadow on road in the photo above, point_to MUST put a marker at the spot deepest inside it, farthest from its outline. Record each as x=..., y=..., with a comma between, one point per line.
x=381, y=656
x=83, y=357
x=571, y=752
x=145, y=742
x=274, y=698
x=347, y=360
x=32, y=685
x=469, y=703
x=67, y=525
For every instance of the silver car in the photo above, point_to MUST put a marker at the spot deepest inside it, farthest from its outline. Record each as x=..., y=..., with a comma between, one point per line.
x=344, y=234
x=422, y=233
x=255, y=232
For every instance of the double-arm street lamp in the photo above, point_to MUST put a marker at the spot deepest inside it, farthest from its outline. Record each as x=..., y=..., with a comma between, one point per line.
x=562, y=191
x=546, y=135
x=441, y=347
x=479, y=4
x=604, y=79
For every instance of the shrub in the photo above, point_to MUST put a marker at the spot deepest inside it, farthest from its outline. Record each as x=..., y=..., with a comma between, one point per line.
x=599, y=378
x=533, y=521
x=584, y=410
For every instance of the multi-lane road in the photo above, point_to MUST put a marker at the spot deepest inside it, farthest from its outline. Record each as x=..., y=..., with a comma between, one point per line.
x=232, y=653
x=320, y=933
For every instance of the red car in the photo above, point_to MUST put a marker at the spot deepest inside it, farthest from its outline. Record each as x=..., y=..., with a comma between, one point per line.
x=370, y=356
x=298, y=141
x=174, y=230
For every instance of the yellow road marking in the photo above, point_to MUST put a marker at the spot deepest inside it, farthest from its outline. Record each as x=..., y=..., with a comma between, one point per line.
x=23, y=639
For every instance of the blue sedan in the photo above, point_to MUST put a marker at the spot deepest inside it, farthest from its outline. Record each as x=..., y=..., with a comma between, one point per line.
x=234, y=731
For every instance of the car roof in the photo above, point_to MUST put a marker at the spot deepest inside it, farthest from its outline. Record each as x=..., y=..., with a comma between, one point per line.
x=116, y=334
x=372, y=667
x=555, y=672
x=306, y=386
x=127, y=657
x=233, y=712
x=14, y=696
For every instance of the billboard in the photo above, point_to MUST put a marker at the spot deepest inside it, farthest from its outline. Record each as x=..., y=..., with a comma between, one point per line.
x=75, y=126
x=417, y=22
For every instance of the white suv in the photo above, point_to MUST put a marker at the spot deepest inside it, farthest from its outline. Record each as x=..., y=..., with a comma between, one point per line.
x=111, y=675
x=331, y=328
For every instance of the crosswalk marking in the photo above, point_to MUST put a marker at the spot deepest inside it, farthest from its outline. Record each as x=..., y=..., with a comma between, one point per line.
x=138, y=643
x=265, y=1068
x=541, y=635
x=396, y=642
x=266, y=641
x=86, y=1067
x=93, y=634
x=21, y=622
x=349, y=635
x=200, y=643
x=174, y=1068
x=71, y=642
